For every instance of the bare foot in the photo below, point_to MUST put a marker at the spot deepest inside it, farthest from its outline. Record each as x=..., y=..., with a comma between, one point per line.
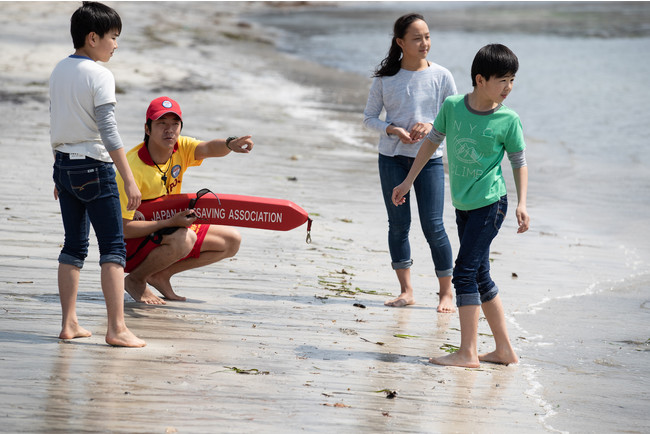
x=501, y=358
x=124, y=338
x=400, y=301
x=164, y=286
x=72, y=331
x=456, y=359
x=446, y=304
x=139, y=291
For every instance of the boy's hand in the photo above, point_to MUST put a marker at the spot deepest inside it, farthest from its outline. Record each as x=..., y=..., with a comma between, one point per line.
x=523, y=220
x=399, y=192
x=134, y=195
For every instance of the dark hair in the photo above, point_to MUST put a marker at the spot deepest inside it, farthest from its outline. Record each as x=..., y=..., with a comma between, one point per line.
x=391, y=63
x=93, y=17
x=494, y=60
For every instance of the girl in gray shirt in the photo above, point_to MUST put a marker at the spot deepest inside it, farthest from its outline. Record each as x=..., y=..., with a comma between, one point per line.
x=411, y=90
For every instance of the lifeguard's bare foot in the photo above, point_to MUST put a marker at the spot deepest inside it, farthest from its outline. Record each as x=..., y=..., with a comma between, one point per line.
x=72, y=331
x=501, y=358
x=124, y=338
x=456, y=359
x=164, y=286
x=400, y=301
x=139, y=291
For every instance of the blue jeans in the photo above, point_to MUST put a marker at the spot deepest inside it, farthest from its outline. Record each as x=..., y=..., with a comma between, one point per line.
x=88, y=194
x=429, y=189
x=476, y=230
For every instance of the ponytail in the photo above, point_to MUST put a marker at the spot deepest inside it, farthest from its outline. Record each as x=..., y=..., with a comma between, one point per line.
x=392, y=62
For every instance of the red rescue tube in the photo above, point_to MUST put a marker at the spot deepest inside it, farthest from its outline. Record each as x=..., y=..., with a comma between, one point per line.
x=227, y=209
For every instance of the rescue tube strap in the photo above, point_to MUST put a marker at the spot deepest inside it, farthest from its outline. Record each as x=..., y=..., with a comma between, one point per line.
x=309, y=222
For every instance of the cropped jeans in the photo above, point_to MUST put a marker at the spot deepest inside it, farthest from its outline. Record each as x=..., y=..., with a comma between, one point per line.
x=88, y=194
x=429, y=189
x=476, y=230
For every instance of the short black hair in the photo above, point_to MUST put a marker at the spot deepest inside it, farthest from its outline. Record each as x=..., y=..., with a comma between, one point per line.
x=494, y=60
x=93, y=17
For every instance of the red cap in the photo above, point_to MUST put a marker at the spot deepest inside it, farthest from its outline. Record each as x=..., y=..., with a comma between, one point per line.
x=161, y=106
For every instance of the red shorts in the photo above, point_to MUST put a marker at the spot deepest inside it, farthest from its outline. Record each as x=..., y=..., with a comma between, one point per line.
x=137, y=253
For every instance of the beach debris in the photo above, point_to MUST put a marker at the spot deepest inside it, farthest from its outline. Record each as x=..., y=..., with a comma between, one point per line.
x=449, y=348
x=348, y=331
x=345, y=220
x=253, y=371
x=338, y=405
x=385, y=413
x=514, y=276
x=376, y=343
x=398, y=335
x=390, y=394
x=340, y=282
x=359, y=305
x=292, y=178
x=170, y=430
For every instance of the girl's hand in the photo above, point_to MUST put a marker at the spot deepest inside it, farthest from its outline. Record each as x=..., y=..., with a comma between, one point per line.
x=401, y=133
x=399, y=192
x=420, y=131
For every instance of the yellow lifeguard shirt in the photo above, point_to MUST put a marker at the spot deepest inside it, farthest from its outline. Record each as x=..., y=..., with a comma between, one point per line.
x=156, y=181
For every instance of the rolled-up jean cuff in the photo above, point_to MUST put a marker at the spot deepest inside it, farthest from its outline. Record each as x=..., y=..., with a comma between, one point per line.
x=444, y=273
x=402, y=265
x=115, y=259
x=66, y=259
x=489, y=295
x=468, y=299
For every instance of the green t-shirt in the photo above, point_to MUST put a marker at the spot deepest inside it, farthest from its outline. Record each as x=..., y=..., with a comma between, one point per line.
x=476, y=142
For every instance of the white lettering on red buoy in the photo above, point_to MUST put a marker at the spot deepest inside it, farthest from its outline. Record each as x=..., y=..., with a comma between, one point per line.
x=255, y=216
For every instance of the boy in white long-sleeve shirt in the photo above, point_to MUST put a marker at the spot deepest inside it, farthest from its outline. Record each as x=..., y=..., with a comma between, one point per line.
x=85, y=142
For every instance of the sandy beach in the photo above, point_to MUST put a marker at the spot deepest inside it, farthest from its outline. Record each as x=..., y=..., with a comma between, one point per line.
x=287, y=336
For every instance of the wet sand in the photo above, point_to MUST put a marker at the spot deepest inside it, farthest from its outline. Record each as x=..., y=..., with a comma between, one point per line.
x=285, y=337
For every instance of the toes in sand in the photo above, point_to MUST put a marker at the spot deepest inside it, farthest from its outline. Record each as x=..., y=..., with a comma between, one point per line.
x=139, y=291
x=74, y=331
x=400, y=302
x=124, y=338
x=164, y=286
x=506, y=358
x=456, y=359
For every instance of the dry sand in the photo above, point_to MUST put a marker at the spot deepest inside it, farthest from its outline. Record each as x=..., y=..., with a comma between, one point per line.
x=270, y=341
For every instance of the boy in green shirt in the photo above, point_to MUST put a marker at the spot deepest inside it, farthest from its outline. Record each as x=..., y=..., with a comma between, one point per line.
x=479, y=130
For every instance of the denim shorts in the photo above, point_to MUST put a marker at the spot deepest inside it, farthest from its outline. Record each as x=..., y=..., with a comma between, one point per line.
x=476, y=230
x=88, y=194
